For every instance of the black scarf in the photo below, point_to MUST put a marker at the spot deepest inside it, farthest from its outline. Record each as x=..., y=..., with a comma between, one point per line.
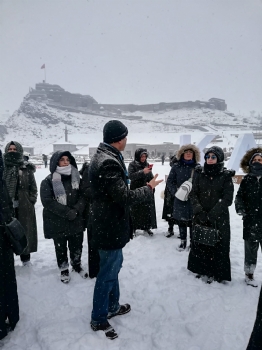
x=256, y=169
x=13, y=161
x=213, y=169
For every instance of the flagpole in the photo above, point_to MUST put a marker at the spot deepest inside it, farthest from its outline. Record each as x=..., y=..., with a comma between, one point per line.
x=45, y=75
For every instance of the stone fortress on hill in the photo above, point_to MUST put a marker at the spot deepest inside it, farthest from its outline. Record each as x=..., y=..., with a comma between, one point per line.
x=55, y=96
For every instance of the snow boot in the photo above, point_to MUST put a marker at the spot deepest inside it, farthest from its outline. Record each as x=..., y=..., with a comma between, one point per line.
x=65, y=278
x=250, y=281
x=124, y=309
x=81, y=271
x=182, y=245
x=210, y=280
x=27, y=263
x=107, y=328
x=149, y=232
x=170, y=232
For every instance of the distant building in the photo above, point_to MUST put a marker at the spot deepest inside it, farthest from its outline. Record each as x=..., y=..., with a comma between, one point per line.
x=29, y=149
x=64, y=146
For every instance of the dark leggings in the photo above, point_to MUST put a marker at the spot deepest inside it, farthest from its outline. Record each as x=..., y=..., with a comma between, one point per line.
x=183, y=232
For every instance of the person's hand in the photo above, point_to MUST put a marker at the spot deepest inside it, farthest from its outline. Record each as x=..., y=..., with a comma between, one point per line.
x=72, y=214
x=241, y=213
x=147, y=170
x=202, y=216
x=154, y=182
x=32, y=200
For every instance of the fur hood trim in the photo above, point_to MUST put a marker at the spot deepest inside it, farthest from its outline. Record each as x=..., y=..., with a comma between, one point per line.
x=193, y=148
x=244, y=163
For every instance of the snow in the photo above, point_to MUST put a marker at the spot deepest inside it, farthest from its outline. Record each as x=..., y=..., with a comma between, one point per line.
x=171, y=309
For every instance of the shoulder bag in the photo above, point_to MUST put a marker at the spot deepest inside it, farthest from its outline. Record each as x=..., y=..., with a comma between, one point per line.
x=183, y=192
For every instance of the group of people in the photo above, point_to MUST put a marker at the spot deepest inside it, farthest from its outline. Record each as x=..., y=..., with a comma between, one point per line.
x=101, y=198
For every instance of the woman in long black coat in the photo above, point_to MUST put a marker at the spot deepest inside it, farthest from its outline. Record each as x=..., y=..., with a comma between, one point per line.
x=140, y=173
x=255, y=341
x=9, y=307
x=249, y=205
x=188, y=157
x=22, y=189
x=64, y=205
x=211, y=195
x=168, y=205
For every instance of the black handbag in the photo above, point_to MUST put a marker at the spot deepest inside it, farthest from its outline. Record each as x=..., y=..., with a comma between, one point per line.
x=206, y=235
x=16, y=235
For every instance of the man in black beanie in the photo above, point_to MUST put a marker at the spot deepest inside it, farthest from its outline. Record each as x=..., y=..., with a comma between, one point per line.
x=110, y=224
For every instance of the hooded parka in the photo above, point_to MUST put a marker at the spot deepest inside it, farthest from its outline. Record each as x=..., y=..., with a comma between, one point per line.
x=212, y=195
x=110, y=222
x=9, y=307
x=55, y=214
x=26, y=195
x=249, y=199
x=144, y=214
x=180, y=172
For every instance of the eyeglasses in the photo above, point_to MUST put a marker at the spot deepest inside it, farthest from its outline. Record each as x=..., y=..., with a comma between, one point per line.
x=212, y=157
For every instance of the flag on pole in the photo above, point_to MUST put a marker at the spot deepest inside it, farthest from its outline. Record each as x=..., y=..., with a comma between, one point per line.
x=43, y=66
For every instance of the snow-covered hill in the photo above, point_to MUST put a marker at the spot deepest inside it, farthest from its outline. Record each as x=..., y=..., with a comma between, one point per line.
x=39, y=125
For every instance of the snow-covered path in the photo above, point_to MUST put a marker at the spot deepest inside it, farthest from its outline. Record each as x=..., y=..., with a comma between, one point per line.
x=171, y=309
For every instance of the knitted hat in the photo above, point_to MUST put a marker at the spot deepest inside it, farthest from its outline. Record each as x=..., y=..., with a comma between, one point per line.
x=18, y=146
x=253, y=156
x=217, y=151
x=114, y=131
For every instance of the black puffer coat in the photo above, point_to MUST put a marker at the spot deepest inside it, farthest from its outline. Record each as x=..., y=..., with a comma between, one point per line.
x=56, y=222
x=109, y=222
x=181, y=172
x=249, y=199
x=9, y=307
x=255, y=341
x=213, y=195
x=144, y=214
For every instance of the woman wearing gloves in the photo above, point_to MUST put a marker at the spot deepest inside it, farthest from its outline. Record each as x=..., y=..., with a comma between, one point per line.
x=63, y=207
x=249, y=204
x=211, y=195
x=20, y=182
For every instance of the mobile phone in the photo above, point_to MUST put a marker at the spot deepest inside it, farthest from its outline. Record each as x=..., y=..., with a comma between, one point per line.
x=150, y=166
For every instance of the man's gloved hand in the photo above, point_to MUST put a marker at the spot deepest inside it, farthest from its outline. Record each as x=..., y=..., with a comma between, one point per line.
x=202, y=216
x=72, y=214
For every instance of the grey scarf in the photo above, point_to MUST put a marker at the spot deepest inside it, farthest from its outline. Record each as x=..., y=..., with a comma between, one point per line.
x=58, y=187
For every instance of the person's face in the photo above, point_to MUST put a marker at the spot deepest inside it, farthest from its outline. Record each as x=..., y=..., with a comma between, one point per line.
x=122, y=144
x=257, y=159
x=188, y=154
x=12, y=148
x=143, y=158
x=211, y=158
x=63, y=161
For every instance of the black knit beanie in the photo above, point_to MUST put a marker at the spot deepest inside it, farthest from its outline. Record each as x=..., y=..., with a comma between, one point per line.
x=217, y=151
x=114, y=131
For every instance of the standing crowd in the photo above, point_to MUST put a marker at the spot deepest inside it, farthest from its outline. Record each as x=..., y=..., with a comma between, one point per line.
x=112, y=202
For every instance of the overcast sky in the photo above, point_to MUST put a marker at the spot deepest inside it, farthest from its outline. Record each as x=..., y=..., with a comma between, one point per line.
x=136, y=51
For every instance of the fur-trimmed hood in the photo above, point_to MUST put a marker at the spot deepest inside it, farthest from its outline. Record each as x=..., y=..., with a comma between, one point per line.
x=244, y=163
x=193, y=148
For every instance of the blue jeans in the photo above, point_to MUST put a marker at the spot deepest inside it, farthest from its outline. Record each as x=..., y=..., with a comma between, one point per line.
x=106, y=292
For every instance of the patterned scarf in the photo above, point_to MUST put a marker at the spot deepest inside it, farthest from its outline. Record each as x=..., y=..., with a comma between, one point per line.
x=13, y=161
x=58, y=187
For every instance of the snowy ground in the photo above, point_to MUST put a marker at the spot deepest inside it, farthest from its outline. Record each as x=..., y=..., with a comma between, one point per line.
x=171, y=309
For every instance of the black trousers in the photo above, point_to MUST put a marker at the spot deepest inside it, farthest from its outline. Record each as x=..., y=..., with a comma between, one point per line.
x=75, y=245
x=93, y=257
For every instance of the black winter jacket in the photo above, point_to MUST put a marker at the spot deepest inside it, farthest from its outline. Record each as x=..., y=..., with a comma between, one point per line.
x=55, y=214
x=110, y=222
x=249, y=202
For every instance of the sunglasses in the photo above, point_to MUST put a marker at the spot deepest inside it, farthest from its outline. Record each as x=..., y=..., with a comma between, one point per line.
x=212, y=157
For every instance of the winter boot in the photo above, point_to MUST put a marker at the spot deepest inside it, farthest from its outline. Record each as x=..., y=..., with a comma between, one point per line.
x=170, y=232
x=107, y=328
x=65, y=278
x=210, y=280
x=182, y=245
x=80, y=270
x=250, y=281
x=124, y=309
x=27, y=263
x=149, y=232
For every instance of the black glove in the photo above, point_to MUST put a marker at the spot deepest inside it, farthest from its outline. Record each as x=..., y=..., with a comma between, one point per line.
x=72, y=214
x=202, y=216
x=32, y=200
